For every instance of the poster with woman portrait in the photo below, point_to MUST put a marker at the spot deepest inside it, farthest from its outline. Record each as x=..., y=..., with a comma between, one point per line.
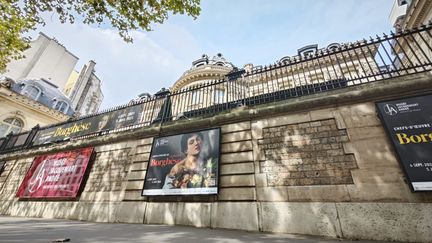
x=184, y=164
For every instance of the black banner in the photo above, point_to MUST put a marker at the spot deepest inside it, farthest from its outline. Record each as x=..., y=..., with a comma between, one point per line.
x=409, y=125
x=106, y=121
x=184, y=164
x=2, y=165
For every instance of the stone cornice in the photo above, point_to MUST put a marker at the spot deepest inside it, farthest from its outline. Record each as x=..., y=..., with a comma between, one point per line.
x=13, y=97
x=416, y=13
x=200, y=73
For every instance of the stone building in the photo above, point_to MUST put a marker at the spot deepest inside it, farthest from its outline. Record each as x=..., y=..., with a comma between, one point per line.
x=406, y=15
x=46, y=58
x=29, y=103
x=84, y=90
x=307, y=69
x=203, y=71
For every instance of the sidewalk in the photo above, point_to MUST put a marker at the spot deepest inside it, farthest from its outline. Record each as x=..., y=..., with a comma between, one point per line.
x=13, y=229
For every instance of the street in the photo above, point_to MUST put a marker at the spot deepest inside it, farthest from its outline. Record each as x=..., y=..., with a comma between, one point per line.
x=15, y=229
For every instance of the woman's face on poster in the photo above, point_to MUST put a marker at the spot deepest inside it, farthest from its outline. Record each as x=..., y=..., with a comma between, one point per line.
x=194, y=144
x=103, y=122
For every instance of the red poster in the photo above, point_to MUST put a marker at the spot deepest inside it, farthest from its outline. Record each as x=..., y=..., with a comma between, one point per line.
x=56, y=175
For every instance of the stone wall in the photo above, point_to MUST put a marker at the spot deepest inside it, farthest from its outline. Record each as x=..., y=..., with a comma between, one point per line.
x=318, y=165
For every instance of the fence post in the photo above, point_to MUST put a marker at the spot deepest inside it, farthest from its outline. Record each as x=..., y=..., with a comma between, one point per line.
x=30, y=137
x=6, y=142
x=165, y=110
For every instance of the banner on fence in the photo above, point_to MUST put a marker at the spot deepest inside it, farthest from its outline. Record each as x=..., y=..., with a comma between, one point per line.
x=184, y=164
x=106, y=121
x=408, y=123
x=56, y=176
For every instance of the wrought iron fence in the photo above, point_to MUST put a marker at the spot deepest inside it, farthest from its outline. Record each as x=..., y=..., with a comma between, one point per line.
x=335, y=67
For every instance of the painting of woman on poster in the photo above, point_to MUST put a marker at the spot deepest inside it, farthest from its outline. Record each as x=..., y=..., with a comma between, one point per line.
x=184, y=164
x=193, y=171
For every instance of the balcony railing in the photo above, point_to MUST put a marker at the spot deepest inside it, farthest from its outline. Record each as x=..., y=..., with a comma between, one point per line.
x=372, y=60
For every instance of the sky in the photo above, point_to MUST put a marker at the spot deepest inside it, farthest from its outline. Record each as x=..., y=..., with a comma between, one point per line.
x=244, y=31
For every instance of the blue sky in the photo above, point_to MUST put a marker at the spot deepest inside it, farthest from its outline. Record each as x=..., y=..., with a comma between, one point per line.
x=244, y=31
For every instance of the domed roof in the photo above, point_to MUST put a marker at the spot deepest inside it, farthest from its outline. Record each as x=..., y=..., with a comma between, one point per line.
x=44, y=92
x=204, y=69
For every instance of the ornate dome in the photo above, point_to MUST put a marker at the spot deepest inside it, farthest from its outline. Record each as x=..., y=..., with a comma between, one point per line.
x=44, y=92
x=204, y=69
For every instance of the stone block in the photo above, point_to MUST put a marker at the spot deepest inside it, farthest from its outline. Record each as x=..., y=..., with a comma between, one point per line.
x=138, y=166
x=289, y=119
x=143, y=149
x=193, y=214
x=236, y=147
x=360, y=115
x=141, y=157
x=160, y=213
x=236, y=136
x=237, y=157
x=80, y=211
x=257, y=128
x=129, y=212
x=136, y=175
x=334, y=193
x=378, y=176
x=100, y=212
x=372, y=153
x=322, y=114
x=361, y=133
x=133, y=195
x=134, y=185
x=58, y=210
x=144, y=141
x=101, y=196
x=6, y=206
x=405, y=222
x=241, y=126
x=111, y=147
x=235, y=215
x=300, y=218
x=260, y=179
x=237, y=194
x=237, y=180
x=240, y=168
x=272, y=194
x=27, y=208
x=394, y=192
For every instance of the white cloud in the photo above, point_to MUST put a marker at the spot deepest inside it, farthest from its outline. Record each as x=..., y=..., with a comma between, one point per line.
x=126, y=69
x=244, y=31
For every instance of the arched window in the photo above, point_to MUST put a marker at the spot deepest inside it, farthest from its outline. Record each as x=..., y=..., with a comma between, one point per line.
x=61, y=106
x=10, y=124
x=32, y=92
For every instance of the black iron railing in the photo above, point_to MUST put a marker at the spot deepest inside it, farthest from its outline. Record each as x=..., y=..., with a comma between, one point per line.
x=336, y=67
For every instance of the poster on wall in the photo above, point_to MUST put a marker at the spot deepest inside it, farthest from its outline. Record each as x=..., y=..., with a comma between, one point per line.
x=56, y=175
x=184, y=164
x=408, y=123
x=105, y=121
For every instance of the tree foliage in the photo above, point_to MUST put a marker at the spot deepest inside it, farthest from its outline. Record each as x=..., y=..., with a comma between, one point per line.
x=17, y=17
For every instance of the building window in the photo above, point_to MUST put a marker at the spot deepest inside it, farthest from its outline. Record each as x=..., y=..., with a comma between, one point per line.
x=219, y=96
x=61, y=106
x=195, y=97
x=32, y=92
x=11, y=124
